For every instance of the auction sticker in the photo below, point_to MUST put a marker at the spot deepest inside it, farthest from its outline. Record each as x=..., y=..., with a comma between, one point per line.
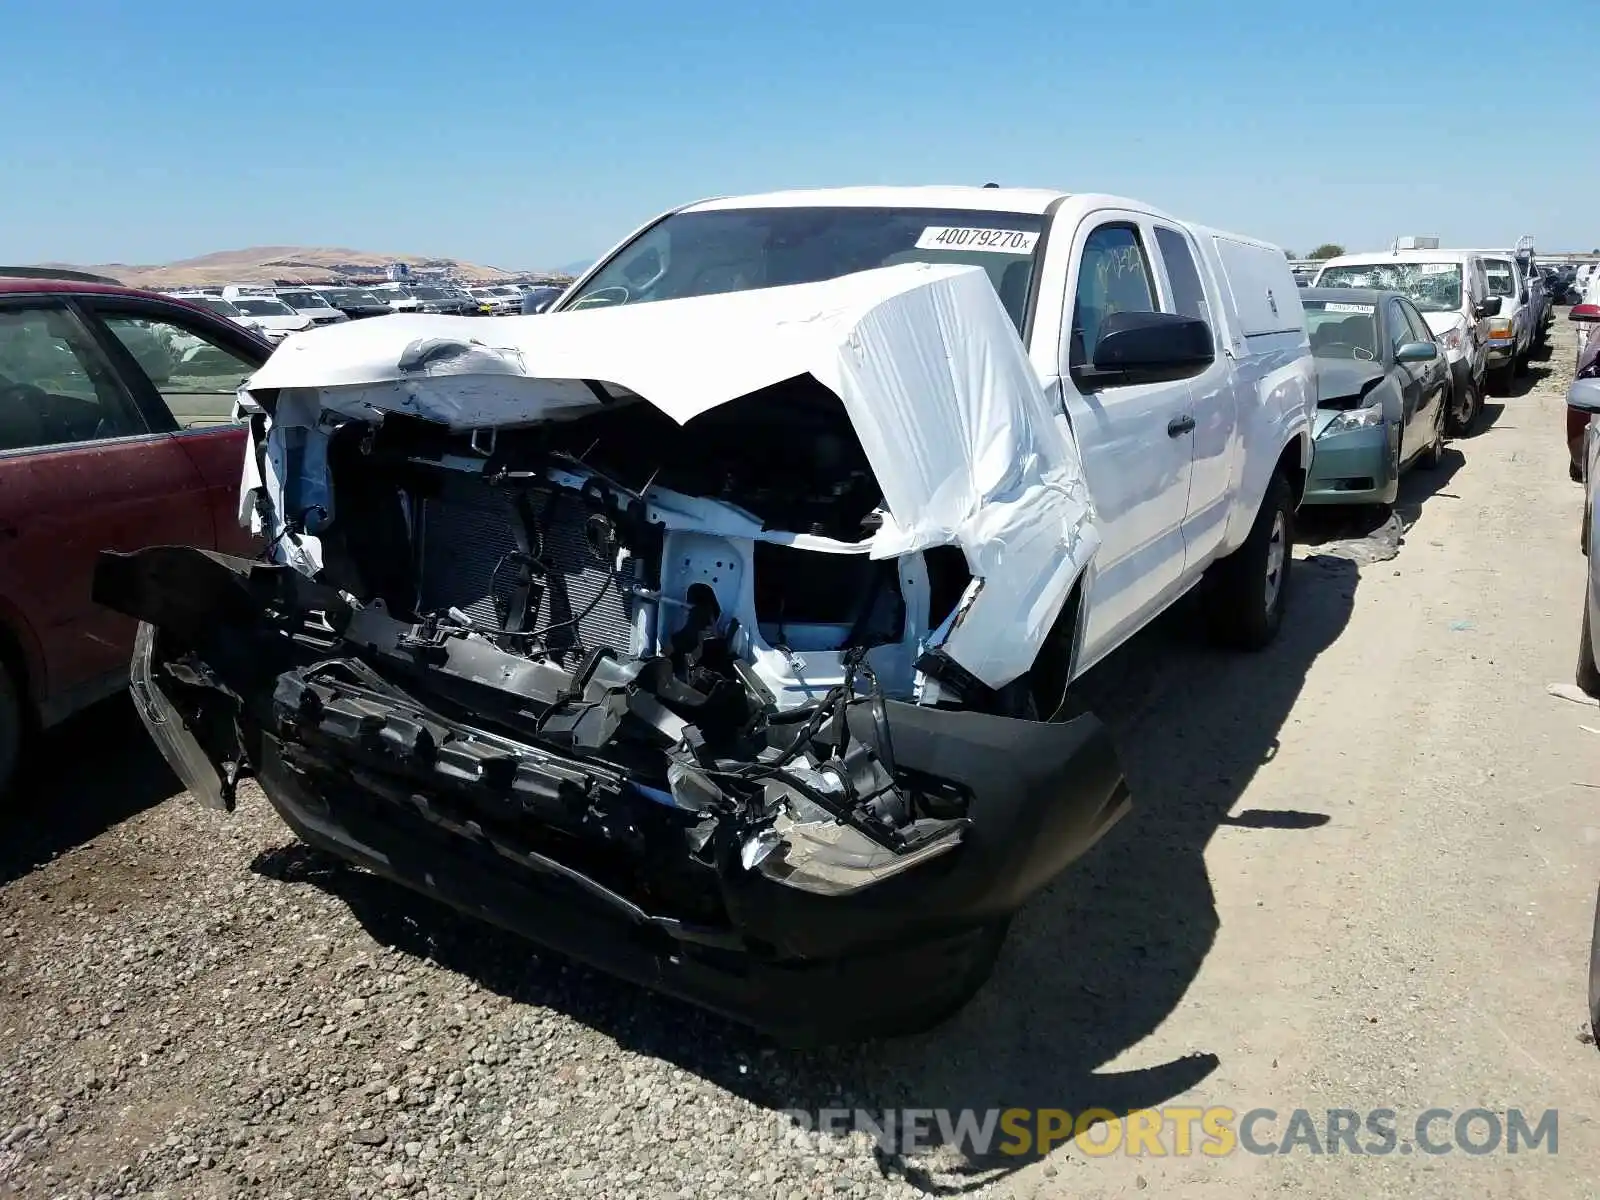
x=1341, y=306
x=998, y=241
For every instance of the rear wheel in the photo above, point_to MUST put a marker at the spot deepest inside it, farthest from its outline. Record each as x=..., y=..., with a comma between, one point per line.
x=1587, y=676
x=1466, y=402
x=1434, y=454
x=1247, y=592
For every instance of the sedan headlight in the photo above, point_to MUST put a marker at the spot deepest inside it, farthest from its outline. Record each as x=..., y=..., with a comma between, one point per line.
x=1355, y=418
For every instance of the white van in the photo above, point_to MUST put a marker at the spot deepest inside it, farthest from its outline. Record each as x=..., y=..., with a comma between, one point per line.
x=1451, y=290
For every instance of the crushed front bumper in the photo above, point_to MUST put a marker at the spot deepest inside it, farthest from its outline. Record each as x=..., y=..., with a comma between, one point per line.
x=1357, y=467
x=495, y=827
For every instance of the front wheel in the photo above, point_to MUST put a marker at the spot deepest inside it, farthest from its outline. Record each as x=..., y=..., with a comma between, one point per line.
x=1247, y=592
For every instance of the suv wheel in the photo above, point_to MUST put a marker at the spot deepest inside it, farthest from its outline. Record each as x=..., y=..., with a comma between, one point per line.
x=11, y=718
x=1246, y=593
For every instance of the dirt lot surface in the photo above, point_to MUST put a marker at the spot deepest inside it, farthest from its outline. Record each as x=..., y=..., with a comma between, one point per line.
x=1360, y=876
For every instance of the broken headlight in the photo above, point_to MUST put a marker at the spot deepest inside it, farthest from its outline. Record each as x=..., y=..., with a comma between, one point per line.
x=808, y=848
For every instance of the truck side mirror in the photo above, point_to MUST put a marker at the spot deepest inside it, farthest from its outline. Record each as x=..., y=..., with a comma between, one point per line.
x=1147, y=347
x=1489, y=308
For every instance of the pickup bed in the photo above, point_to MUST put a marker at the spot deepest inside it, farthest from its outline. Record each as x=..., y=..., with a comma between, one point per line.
x=718, y=626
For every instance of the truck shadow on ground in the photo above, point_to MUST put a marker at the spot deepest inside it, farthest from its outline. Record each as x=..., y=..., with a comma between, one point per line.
x=81, y=778
x=1092, y=966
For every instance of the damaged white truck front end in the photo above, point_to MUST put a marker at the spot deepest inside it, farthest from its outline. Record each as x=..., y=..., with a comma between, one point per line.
x=698, y=639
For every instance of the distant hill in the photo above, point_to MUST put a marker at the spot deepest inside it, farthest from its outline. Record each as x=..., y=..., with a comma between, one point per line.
x=263, y=264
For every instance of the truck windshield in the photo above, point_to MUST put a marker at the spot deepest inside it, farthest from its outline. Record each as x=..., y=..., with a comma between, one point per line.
x=734, y=250
x=1432, y=287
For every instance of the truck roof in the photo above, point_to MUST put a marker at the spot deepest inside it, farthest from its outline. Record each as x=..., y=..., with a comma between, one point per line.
x=1018, y=200
x=1380, y=256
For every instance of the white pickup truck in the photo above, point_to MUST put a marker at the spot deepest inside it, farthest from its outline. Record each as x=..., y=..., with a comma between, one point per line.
x=716, y=627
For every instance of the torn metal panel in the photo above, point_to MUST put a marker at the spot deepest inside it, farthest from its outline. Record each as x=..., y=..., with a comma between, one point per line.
x=959, y=434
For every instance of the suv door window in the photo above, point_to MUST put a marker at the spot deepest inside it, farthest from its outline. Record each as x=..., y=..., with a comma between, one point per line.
x=55, y=387
x=196, y=375
x=1188, y=295
x=1113, y=277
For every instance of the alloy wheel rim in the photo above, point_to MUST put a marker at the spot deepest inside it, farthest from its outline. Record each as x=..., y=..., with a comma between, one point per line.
x=1277, y=553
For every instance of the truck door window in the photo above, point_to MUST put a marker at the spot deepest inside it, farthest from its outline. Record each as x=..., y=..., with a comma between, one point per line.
x=1188, y=296
x=1113, y=277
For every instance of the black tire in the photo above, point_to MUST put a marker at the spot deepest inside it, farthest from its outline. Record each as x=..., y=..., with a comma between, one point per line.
x=1519, y=364
x=1460, y=418
x=11, y=720
x=1594, y=975
x=1500, y=379
x=1587, y=675
x=1243, y=609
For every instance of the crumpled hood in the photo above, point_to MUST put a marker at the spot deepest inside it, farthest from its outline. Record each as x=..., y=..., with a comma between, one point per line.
x=1337, y=377
x=951, y=415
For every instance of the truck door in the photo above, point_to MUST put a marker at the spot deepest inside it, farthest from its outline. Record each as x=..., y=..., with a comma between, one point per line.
x=1212, y=402
x=1136, y=439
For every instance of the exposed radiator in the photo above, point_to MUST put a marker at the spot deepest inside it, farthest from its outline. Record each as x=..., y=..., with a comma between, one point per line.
x=469, y=530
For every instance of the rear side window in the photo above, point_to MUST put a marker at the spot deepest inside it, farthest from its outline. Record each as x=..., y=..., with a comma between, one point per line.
x=1113, y=277
x=1419, y=328
x=1188, y=296
x=197, y=376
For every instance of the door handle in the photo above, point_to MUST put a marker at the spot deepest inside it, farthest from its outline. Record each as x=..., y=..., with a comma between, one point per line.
x=1179, y=426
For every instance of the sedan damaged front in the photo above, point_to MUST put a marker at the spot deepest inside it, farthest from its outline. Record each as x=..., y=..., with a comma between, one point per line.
x=705, y=641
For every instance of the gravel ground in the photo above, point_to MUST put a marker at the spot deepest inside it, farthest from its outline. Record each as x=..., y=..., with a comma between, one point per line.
x=1359, y=874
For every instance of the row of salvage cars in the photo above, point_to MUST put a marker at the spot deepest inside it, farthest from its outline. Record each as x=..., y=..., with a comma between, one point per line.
x=718, y=627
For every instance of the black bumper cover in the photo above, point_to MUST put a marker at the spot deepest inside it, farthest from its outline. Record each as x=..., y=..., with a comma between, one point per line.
x=891, y=958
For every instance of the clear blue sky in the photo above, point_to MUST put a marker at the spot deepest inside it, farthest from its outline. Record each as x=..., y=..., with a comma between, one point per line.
x=537, y=133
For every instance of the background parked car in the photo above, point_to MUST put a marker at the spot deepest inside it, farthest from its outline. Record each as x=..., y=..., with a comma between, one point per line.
x=538, y=299
x=398, y=297
x=1511, y=329
x=116, y=431
x=1382, y=387
x=216, y=304
x=1583, y=397
x=271, y=316
x=311, y=304
x=356, y=303
x=1450, y=288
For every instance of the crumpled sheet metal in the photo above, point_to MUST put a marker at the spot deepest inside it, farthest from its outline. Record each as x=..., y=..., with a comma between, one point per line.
x=960, y=434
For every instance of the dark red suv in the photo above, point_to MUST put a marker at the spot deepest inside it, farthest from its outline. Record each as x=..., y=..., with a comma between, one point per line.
x=117, y=431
